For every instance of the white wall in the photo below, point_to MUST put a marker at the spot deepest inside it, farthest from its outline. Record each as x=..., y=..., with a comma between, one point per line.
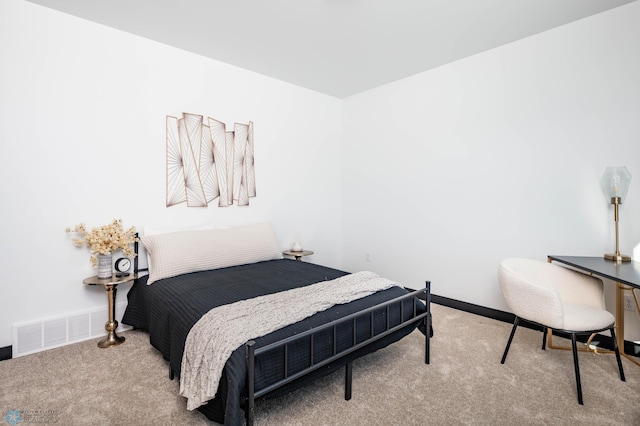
x=438, y=176
x=447, y=172
x=82, y=131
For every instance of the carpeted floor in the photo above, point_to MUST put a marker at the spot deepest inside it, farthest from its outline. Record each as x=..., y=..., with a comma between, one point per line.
x=465, y=383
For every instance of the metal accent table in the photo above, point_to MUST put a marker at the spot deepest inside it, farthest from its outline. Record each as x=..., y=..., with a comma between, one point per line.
x=297, y=254
x=110, y=285
x=624, y=274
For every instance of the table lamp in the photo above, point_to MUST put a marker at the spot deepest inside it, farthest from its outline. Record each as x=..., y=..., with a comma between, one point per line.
x=615, y=182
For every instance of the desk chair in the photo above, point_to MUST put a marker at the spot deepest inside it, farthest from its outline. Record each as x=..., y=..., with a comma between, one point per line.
x=557, y=298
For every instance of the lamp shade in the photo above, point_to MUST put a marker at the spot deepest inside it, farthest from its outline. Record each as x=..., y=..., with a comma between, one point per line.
x=615, y=182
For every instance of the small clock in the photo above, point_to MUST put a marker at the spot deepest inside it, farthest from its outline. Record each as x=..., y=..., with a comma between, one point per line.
x=123, y=265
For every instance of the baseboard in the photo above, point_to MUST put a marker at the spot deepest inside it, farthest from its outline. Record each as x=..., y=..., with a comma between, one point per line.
x=5, y=353
x=474, y=309
x=630, y=348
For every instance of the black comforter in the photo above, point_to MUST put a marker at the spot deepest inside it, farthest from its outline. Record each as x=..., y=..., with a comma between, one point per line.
x=168, y=309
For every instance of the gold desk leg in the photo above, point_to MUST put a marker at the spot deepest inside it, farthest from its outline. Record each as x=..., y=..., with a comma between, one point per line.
x=587, y=348
x=619, y=331
x=111, y=325
x=620, y=288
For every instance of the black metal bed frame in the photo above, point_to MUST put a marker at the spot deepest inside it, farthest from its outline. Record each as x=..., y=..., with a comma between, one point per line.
x=252, y=352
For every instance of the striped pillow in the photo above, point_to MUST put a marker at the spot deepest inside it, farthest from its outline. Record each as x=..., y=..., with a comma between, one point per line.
x=183, y=252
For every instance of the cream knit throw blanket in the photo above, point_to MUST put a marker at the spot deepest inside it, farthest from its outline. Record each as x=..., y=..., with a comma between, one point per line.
x=225, y=328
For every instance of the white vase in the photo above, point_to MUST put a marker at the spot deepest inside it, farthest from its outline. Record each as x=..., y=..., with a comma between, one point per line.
x=104, y=266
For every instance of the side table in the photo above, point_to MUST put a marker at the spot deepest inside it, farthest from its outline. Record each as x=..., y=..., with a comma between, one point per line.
x=297, y=254
x=111, y=286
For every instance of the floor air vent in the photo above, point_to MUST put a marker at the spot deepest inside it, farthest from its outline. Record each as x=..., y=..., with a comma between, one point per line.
x=39, y=335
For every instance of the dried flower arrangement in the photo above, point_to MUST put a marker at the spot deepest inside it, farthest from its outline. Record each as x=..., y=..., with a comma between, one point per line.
x=105, y=239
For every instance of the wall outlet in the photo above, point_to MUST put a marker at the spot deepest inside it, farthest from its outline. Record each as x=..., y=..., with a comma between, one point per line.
x=629, y=304
x=367, y=257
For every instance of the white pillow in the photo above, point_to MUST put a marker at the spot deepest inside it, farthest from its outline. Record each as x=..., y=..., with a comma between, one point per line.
x=179, y=253
x=155, y=230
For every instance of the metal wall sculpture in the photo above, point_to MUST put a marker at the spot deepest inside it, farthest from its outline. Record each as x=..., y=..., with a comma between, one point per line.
x=205, y=162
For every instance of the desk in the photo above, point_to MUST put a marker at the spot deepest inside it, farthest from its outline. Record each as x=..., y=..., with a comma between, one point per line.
x=622, y=273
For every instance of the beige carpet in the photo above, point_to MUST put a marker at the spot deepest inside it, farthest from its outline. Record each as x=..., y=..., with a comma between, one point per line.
x=464, y=384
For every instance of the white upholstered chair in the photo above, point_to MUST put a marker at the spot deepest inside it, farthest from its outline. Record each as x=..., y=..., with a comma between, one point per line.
x=558, y=298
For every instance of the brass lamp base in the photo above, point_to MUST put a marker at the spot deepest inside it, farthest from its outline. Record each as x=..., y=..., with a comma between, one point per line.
x=617, y=257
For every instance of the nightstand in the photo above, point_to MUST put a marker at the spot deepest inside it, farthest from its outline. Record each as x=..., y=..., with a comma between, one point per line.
x=110, y=285
x=297, y=254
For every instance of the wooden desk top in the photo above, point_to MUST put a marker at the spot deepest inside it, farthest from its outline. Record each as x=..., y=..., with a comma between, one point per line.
x=627, y=273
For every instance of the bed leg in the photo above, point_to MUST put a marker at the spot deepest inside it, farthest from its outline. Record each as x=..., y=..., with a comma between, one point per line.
x=348, y=376
x=171, y=375
x=250, y=403
x=428, y=322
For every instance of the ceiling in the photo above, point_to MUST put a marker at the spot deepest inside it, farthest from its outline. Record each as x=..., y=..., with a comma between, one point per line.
x=337, y=47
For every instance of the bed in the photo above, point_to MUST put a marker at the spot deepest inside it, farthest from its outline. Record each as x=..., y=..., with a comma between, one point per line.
x=285, y=359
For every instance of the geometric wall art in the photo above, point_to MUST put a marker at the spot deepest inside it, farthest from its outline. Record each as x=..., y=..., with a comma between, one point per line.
x=205, y=162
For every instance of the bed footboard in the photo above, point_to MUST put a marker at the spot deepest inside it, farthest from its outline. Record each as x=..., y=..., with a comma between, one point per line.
x=252, y=352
